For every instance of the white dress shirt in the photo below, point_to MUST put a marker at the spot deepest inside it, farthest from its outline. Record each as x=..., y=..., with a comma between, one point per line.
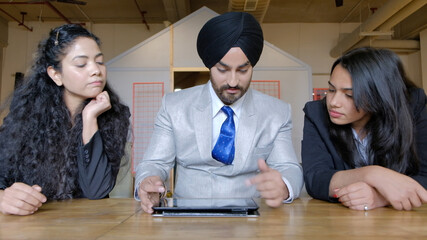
x=218, y=116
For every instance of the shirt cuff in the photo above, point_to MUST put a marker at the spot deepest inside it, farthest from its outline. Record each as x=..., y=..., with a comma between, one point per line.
x=291, y=192
x=87, y=149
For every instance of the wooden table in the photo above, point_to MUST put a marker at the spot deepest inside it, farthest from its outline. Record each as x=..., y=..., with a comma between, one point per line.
x=123, y=219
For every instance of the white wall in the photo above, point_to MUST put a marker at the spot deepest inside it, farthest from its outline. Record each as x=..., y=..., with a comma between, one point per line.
x=4, y=32
x=423, y=40
x=308, y=42
x=117, y=38
x=22, y=44
x=311, y=43
x=412, y=64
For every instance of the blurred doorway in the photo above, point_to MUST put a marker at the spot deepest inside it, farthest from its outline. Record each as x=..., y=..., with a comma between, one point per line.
x=188, y=79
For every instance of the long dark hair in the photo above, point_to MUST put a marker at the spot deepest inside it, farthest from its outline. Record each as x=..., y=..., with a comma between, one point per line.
x=380, y=87
x=39, y=138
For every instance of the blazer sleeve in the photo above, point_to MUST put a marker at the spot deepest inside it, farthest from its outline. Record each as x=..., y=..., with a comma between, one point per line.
x=2, y=183
x=283, y=159
x=159, y=156
x=418, y=102
x=96, y=177
x=317, y=161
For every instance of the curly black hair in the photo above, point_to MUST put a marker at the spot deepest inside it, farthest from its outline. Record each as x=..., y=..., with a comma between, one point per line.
x=39, y=138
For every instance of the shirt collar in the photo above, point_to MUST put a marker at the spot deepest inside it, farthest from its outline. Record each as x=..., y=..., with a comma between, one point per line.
x=363, y=142
x=217, y=104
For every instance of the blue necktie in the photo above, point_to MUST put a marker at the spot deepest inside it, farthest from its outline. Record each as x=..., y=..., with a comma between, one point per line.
x=224, y=147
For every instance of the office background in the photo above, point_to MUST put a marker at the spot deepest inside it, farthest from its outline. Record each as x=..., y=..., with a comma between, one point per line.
x=312, y=33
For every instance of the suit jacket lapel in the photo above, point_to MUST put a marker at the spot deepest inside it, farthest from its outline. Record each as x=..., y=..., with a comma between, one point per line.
x=246, y=131
x=202, y=116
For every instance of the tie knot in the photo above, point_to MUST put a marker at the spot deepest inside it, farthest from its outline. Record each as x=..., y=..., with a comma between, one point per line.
x=227, y=111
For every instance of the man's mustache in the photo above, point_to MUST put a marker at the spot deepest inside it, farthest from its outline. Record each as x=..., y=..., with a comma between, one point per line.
x=225, y=87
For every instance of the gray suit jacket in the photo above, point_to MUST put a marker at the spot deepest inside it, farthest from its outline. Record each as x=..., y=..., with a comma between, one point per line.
x=183, y=136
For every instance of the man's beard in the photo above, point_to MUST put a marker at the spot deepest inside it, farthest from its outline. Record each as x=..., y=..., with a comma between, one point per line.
x=229, y=99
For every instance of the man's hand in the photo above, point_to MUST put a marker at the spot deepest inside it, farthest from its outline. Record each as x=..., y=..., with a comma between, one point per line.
x=270, y=184
x=21, y=199
x=360, y=194
x=149, y=192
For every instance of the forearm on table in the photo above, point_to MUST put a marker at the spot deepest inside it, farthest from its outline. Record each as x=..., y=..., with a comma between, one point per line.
x=368, y=174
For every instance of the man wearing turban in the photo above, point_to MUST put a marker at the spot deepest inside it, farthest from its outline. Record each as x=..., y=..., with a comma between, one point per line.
x=225, y=139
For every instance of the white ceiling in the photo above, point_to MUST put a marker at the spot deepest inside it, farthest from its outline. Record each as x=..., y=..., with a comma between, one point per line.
x=267, y=11
x=157, y=11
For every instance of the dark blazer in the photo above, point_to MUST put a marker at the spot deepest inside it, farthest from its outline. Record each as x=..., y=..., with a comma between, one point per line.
x=320, y=159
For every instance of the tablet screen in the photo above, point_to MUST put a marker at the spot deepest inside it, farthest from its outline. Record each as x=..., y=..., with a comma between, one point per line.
x=208, y=203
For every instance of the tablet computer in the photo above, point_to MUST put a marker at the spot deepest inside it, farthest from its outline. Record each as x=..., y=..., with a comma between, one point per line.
x=206, y=207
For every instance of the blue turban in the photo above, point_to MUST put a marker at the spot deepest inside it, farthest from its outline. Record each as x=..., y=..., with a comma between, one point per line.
x=232, y=29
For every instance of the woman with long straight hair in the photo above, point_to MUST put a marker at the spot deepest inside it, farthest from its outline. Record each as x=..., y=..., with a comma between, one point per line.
x=365, y=144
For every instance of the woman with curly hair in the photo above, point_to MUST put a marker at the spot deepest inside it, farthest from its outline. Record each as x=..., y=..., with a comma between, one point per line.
x=66, y=130
x=365, y=144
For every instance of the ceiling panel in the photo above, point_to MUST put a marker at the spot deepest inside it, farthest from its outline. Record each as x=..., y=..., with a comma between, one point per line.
x=158, y=11
x=126, y=11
